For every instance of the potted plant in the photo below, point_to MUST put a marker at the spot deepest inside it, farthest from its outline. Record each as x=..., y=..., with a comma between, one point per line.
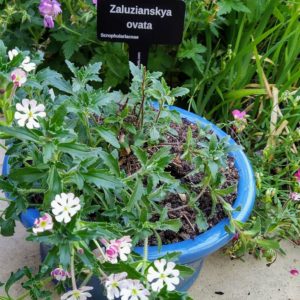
x=118, y=186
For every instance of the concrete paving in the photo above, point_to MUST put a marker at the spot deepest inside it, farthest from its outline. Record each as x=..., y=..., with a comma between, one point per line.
x=221, y=278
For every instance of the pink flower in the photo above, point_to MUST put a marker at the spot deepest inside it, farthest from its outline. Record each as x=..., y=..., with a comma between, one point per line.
x=117, y=248
x=19, y=77
x=294, y=272
x=95, y=2
x=48, y=22
x=238, y=114
x=49, y=9
x=297, y=175
x=295, y=196
x=60, y=274
x=42, y=224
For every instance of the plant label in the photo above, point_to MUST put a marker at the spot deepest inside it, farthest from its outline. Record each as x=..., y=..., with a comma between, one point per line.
x=141, y=23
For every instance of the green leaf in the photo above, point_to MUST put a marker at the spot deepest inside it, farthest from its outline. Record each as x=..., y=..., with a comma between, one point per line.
x=54, y=186
x=179, y=92
x=20, y=133
x=14, y=277
x=136, y=195
x=110, y=162
x=7, y=227
x=59, y=115
x=72, y=67
x=27, y=174
x=75, y=149
x=268, y=244
x=190, y=48
x=173, y=225
x=226, y=6
x=226, y=191
x=48, y=151
x=64, y=254
x=109, y=136
x=3, y=49
x=122, y=267
x=102, y=179
x=154, y=134
x=201, y=221
x=69, y=47
x=185, y=271
x=94, y=68
x=54, y=79
x=140, y=154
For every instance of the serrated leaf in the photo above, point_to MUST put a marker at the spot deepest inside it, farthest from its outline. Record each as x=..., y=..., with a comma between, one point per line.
x=190, y=48
x=140, y=154
x=173, y=225
x=70, y=47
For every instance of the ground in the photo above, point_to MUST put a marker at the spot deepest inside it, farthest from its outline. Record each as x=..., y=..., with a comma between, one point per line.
x=221, y=278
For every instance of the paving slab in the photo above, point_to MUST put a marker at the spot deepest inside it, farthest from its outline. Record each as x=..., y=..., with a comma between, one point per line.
x=251, y=279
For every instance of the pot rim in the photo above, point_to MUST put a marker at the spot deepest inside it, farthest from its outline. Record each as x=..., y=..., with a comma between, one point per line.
x=215, y=237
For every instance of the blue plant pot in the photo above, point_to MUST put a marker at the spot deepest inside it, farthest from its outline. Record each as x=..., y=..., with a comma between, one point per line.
x=193, y=251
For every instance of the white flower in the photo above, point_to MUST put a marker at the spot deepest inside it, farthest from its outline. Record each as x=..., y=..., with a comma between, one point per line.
x=12, y=54
x=42, y=224
x=79, y=294
x=27, y=113
x=64, y=206
x=295, y=196
x=113, y=284
x=162, y=275
x=19, y=77
x=133, y=290
x=124, y=247
x=27, y=65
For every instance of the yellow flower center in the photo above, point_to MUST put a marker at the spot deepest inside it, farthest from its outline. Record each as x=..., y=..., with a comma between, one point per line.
x=30, y=114
x=77, y=294
x=134, y=292
x=43, y=224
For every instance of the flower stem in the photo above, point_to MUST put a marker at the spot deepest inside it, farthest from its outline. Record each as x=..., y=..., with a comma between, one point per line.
x=87, y=279
x=74, y=285
x=100, y=249
x=145, y=260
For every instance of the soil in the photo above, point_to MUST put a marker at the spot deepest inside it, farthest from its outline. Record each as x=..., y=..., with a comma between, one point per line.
x=177, y=204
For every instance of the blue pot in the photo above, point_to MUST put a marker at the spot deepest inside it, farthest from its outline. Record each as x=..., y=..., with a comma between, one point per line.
x=193, y=251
